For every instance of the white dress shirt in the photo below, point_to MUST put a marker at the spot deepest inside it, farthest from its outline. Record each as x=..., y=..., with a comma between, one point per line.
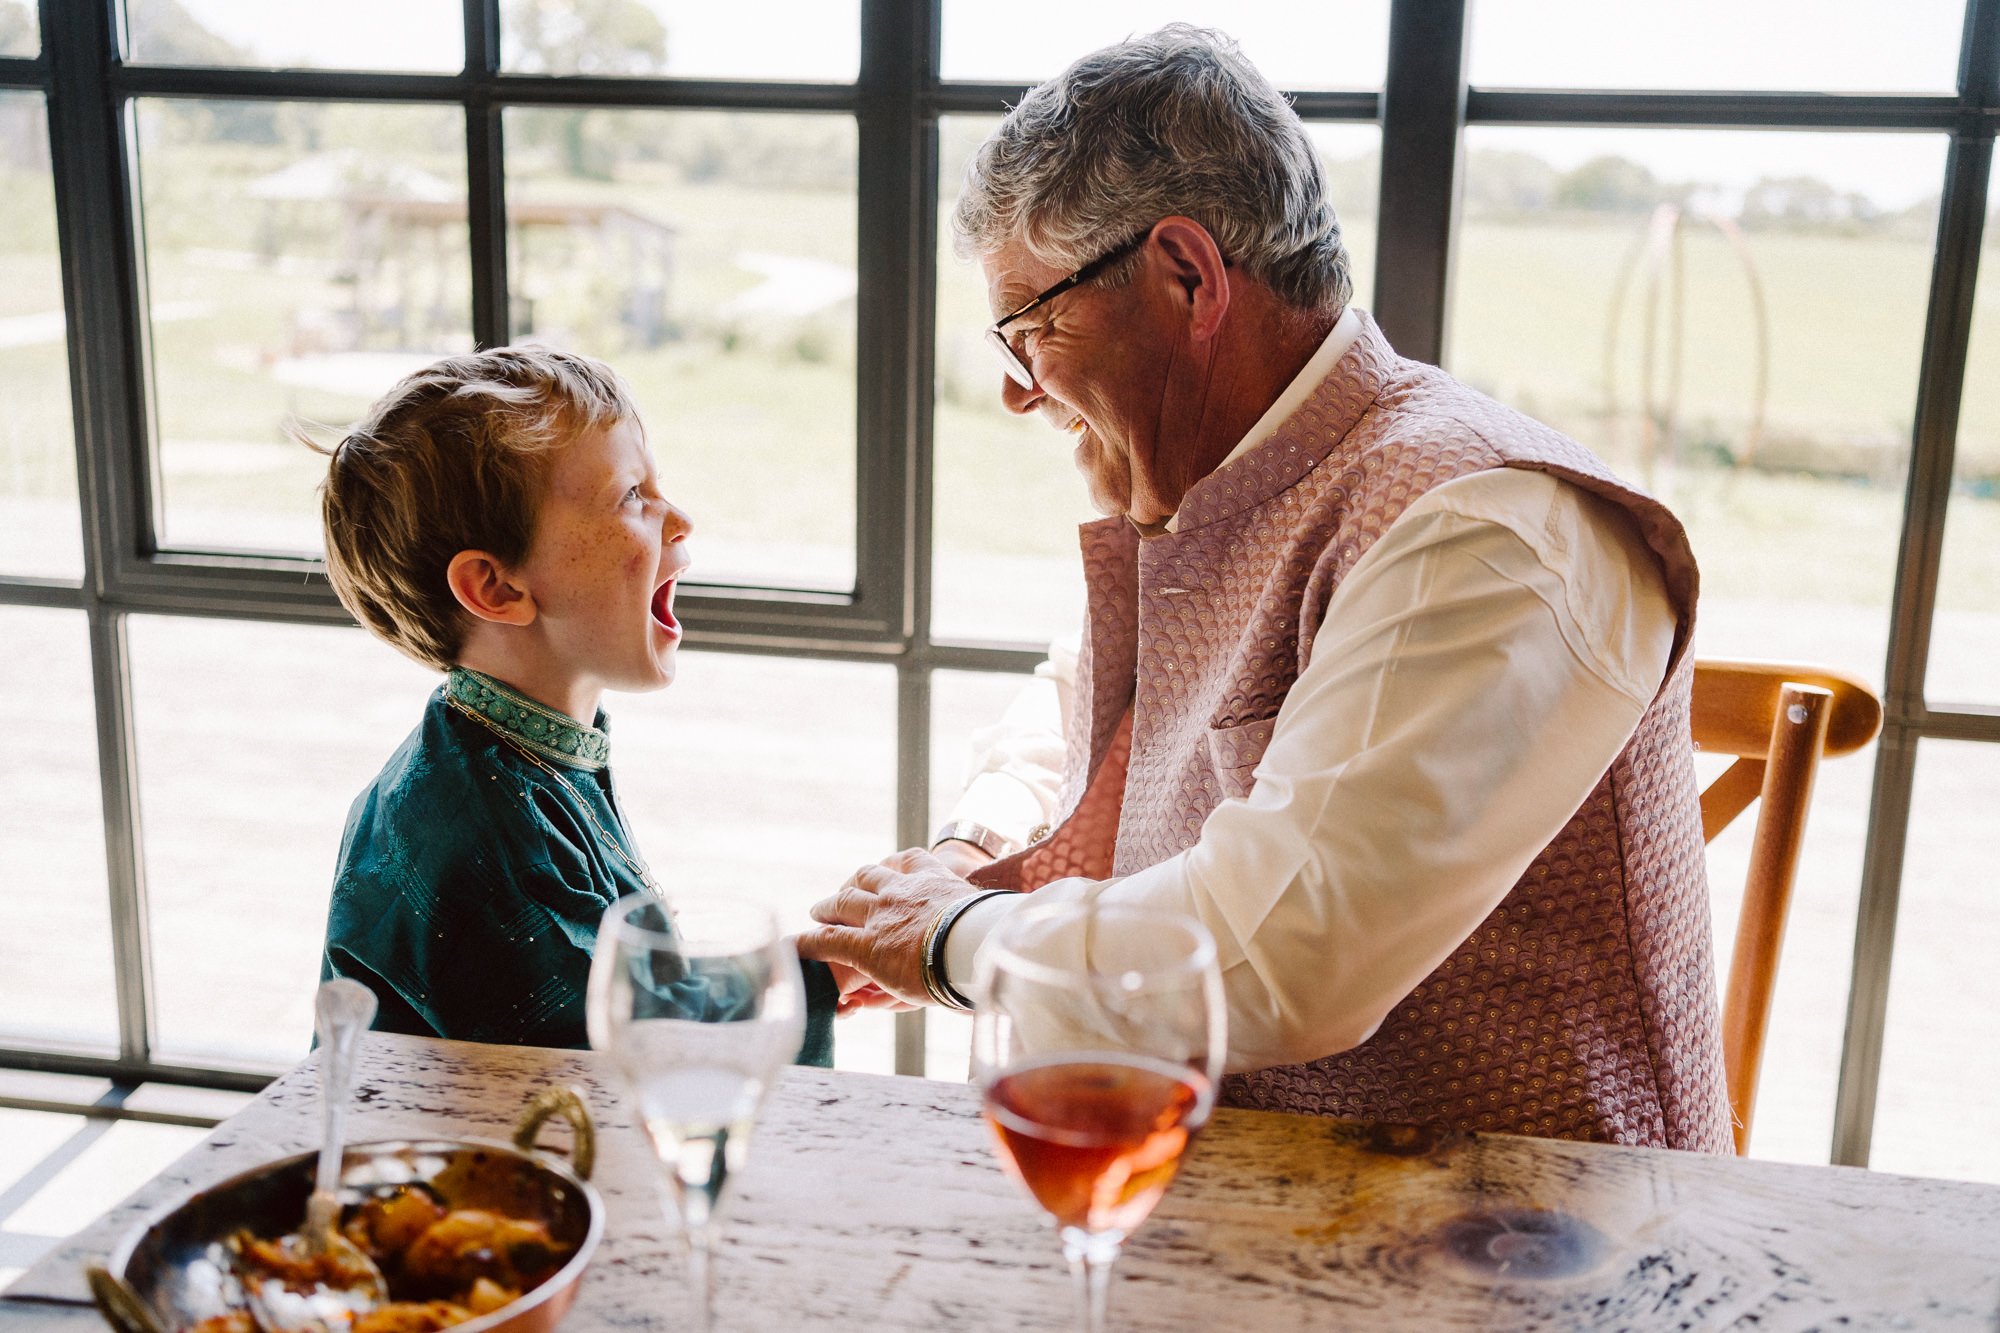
x=1476, y=673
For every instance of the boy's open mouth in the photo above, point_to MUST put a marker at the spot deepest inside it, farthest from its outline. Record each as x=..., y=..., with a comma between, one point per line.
x=663, y=606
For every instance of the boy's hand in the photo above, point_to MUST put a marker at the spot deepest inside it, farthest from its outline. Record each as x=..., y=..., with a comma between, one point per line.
x=876, y=923
x=858, y=992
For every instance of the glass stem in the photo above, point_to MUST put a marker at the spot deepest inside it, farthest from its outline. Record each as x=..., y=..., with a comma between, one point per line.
x=701, y=1276
x=1090, y=1259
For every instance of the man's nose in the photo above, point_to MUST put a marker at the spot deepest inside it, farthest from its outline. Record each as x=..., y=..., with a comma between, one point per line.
x=1017, y=399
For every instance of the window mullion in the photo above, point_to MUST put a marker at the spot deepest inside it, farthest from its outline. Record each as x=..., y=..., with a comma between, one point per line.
x=1423, y=129
x=104, y=331
x=897, y=263
x=124, y=858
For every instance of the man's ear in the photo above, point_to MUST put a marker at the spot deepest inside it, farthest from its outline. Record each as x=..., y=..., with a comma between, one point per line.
x=487, y=589
x=1194, y=263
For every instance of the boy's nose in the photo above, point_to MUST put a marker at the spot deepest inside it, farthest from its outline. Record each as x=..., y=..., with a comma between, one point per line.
x=676, y=524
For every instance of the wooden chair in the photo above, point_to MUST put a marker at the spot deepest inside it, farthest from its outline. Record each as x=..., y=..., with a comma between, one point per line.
x=1778, y=720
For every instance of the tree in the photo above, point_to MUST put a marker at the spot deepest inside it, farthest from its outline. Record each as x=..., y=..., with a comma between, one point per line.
x=17, y=29
x=605, y=37
x=1609, y=185
x=1506, y=182
x=585, y=37
x=162, y=32
x=1806, y=202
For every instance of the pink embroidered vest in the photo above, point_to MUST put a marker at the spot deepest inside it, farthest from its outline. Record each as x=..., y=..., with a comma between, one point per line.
x=1584, y=1006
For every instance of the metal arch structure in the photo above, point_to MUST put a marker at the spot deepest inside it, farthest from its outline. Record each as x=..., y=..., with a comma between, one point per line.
x=896, y=102
x=1658, y=248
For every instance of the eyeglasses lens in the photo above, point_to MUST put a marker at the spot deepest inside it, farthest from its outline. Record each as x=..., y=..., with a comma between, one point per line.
x=1016, y=371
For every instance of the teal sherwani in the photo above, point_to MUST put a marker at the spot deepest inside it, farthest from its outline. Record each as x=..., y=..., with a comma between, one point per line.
x=472, y=880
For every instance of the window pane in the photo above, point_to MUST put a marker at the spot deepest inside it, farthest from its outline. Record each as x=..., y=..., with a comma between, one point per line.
x=1940, y=1081
x=20, y=29
x=1007, y=496
x=40, y=531
x=710, y=256
x=55, y=918
x=1339, y=44
x=1850, y=46
x=428, y=35
x=1965, y=635
x=962, y=703
x=740, y=779
x=815, y=40
x=242, y=837
x=736, y=779
x=300, y=258
x=1610, y=283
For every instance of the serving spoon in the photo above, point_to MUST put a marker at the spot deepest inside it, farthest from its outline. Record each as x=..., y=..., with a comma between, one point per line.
x=347, y=1282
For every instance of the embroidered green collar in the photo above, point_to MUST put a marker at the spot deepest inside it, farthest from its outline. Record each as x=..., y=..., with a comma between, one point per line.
x=539, y=729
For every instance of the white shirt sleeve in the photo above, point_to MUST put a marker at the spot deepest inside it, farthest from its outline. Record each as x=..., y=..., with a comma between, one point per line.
x=1014, y=774
x=1476, y=673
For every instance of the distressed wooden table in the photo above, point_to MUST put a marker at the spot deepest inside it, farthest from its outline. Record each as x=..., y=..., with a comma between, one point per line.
x=876, y=1203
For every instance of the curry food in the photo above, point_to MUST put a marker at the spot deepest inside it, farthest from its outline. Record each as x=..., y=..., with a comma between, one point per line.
x=443, y=1265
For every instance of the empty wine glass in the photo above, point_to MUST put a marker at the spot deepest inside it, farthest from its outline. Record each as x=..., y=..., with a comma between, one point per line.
x=700, y=1009
x=1098, y=1038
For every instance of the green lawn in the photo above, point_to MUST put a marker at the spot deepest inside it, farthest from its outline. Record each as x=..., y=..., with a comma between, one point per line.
x=754, y=418
x=1531, y=323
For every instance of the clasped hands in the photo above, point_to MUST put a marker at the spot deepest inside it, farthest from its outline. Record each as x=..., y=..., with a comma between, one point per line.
x=872, y=929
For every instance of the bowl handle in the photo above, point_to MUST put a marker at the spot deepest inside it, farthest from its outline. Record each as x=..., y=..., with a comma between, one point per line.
x=569, y=1104
x=119, y=1304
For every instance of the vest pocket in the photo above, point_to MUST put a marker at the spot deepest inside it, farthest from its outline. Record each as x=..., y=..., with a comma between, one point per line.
x=1234, y=751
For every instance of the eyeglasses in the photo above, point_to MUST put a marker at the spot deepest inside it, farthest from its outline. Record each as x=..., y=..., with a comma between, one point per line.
x=1017, y=368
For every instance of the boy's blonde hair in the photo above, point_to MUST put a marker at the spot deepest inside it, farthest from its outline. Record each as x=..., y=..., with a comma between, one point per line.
x=451, y=460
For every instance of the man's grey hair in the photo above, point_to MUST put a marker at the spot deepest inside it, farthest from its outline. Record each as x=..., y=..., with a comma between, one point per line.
x=1173, y=122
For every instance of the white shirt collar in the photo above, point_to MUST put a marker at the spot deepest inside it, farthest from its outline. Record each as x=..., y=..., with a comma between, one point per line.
x=1338, y=339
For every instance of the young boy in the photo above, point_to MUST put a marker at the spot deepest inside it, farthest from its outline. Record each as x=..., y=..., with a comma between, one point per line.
x=497, y=516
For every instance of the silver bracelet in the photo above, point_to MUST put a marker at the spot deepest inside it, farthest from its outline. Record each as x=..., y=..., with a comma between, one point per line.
x=995, y=845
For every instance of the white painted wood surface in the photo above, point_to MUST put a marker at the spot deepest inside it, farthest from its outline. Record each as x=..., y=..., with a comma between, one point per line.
x=876, y=1203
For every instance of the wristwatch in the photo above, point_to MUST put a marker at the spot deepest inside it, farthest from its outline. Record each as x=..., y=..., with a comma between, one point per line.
x=995, y=845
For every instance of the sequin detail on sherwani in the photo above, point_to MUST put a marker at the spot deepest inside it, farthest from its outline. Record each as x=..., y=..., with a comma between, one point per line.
x=1584, y=1006
x=471, y=880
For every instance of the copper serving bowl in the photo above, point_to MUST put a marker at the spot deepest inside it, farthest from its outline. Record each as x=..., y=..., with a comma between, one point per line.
x=175, y=1268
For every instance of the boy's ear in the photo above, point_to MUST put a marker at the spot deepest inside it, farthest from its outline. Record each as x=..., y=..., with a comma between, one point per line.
x=485, y=587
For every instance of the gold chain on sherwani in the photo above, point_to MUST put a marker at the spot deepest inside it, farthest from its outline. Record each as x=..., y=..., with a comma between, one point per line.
x=526, y=727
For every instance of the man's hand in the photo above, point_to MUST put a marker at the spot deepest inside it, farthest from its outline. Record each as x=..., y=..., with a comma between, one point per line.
x=960, y=857
x=876, y=923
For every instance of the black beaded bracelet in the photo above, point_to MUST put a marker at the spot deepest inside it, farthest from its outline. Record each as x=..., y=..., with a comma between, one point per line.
x=935, y=980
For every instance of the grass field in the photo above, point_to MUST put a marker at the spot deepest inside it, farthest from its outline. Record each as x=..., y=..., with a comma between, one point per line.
x=753, y=415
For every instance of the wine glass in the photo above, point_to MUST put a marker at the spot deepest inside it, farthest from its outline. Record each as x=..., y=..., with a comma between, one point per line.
x=700, y=1009
x=1098, y=1037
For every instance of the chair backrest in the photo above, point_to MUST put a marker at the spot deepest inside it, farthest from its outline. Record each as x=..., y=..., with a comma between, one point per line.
x=1778, y=719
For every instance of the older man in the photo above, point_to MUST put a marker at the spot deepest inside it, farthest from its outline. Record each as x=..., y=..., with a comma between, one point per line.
x=1385, y=683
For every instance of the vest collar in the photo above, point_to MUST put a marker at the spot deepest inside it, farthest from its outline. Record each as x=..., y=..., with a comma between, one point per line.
x=1300, y=442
